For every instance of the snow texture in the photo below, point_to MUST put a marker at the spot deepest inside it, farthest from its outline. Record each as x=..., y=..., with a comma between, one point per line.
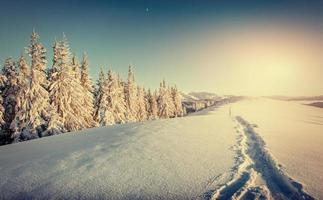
x=227, y=152
x=258, y=176
x=181, y=158
x=292, y=132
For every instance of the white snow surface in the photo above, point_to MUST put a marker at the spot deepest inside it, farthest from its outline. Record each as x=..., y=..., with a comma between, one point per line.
x=181, y=158
x=252, y=149
x=203, y=95
x=293, y=134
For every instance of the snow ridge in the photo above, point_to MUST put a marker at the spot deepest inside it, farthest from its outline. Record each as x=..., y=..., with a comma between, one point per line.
x=257, y=174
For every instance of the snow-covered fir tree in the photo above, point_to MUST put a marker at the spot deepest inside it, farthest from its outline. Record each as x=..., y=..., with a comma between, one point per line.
x=54, y=67
x=22, y=105
x=176, y=97
x=98, y=98
x=114, y=105
x=75, y=64
x=142, y=112
x=3, y=133
x=165, y=103
x=85, y=77
x=37, y=98
x=121, y=106
x=66, y=92
x=171, y=102
x=152, y=108
x=81, y=74
x=147, y=105
x=108, y=89
x=55, y=124
x=9, y=95
x=131, y=97
x=155, y=107
x=122, y=100
x=3, y=80
x=86, y=82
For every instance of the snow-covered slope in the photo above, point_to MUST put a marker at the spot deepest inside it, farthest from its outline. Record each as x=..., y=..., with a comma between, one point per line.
x=293, y=134
x=195, y=96
x=187, y=97
x=203, y=95
x=234, y=151
x=180, y=158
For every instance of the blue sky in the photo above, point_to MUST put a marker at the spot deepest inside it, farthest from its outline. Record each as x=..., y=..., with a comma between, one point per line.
x=167, y=39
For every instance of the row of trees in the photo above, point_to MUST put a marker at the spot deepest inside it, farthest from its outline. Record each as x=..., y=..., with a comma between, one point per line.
x=37, y=102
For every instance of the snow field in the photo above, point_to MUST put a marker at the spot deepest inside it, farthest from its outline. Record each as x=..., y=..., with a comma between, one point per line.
x=293, y=135
x=173, y=158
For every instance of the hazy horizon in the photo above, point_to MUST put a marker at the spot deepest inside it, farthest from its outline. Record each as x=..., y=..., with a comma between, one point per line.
x=249, y=48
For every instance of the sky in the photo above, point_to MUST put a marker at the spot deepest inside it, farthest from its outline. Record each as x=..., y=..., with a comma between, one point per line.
x=226, y=47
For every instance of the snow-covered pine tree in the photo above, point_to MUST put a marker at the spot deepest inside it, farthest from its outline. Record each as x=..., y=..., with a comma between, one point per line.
x=3, y=134
x=22, y=105
x=86, y=82
x=142, y=112
x=3, y=79
x=131, y=97
x=176, y=97
x=10, y=89
x=55, y=55
x=66, y=92
x=121, y=91
x=85, y=77
x=152, y=108
x=55, y=124
x=114, y=107
x=121, y=106
x=171, y=102
x=147, y=102
x=54, y=67
x=154, y=105
x=107, y=103
x=75, y=64
x=98, y=95
x=120, y=81
x=37, y=106
x=80, y=75
x=24, y=72
x=165, y=104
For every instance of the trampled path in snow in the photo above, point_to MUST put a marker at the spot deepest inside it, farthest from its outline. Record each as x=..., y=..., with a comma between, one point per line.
x=258, y=176
x=206, y=155
x=292, y=132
